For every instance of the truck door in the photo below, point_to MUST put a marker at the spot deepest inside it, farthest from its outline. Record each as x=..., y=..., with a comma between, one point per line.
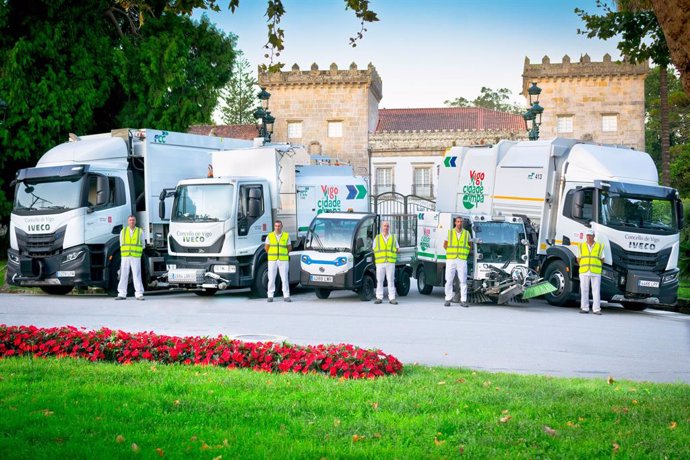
x=253, y=218
x=363, y=253
x=105, y=208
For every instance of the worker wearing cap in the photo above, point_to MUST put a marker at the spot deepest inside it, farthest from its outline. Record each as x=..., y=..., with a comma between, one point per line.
x=131, y=250
x=590, y=261
x=385, y=256
x=457, y=246
x=278, y=247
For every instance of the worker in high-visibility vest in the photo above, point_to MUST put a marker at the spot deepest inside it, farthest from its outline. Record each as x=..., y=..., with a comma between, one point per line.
x=385, y=256
x=131, y=250
x=457, y=246
x=590, y=261
x=278, y=247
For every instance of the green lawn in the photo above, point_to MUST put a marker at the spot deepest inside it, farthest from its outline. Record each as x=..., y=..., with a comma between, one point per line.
x=75, y=409
x=684, y=290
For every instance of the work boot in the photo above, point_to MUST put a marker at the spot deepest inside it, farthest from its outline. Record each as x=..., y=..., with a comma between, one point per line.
x=393, y=302
x=120, y=298
x=140, y=298
x=584, y=312
x=447, y=303
x=270, y=299
x=378, y=301
x=464, y=304
x=597, y=312
x=287, y=299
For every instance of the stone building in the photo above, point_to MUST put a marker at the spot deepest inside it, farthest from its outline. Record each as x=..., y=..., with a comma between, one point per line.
x=597, y=101
x=331, y=111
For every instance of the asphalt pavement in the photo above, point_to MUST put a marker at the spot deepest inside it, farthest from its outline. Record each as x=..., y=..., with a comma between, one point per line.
x=532, y=338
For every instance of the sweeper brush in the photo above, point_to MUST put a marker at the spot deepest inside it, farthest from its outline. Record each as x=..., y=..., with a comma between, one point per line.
x=538, y=289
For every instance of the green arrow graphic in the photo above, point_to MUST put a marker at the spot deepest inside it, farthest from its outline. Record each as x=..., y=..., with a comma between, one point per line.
x=361, y=192
x=446, y=162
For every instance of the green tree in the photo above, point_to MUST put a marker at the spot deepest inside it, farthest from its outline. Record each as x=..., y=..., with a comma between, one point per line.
x=238, y=98
x=499, y=100
x=640, y=39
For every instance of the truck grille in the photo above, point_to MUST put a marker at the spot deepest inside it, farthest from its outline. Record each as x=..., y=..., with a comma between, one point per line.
x=640, y=260
x=40, y=244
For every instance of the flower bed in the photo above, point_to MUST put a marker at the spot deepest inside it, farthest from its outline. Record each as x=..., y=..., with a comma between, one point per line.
x=342, y=360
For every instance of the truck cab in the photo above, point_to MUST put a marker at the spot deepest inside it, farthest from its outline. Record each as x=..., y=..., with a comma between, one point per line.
x=338, y=254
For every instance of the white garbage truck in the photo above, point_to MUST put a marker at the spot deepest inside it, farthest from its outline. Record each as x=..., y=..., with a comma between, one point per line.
x=562, y=187
x=219, y=224
x=69, y=209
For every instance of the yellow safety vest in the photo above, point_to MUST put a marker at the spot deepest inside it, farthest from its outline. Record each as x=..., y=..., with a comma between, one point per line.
x=385, y=252
x=458, y=248
x=132, y=246
x=591, y=261
x=278, y=249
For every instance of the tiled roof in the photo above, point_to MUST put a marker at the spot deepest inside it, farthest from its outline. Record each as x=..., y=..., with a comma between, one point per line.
x=449, y=119
x=247, y=132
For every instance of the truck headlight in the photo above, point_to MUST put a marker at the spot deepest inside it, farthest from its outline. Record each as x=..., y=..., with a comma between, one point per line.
x=670, y=278
x=340, y=261
x=69, y=257
x=224, y=269
x=14, y=259
x=306, y=259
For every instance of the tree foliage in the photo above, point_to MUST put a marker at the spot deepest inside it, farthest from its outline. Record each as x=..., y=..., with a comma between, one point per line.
x=679, y=113
x=238, y=98
x=499, y=100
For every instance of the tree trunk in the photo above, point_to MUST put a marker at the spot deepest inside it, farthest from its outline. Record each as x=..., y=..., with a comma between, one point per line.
x=674, y=19
x=665, y=130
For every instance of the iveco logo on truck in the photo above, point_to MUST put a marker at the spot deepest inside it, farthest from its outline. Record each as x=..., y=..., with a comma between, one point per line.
x=193, y=239
x=39, y=227
x=640, y=245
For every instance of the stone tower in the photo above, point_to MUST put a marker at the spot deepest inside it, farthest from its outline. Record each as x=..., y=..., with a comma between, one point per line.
x=596, y=101
x=331, y=112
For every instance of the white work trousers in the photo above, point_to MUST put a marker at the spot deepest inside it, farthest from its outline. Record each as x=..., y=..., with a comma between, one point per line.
x=385, y=271
x=453, y=267
x=133, y=264
x=585, y=279
x=282, y=267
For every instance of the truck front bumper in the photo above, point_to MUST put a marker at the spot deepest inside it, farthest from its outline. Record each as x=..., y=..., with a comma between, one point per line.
x=70, y=267
x=186, y=273
x=341, y=281
x=642, y=287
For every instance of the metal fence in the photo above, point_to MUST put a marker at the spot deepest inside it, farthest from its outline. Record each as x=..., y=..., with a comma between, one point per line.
x=402, y=212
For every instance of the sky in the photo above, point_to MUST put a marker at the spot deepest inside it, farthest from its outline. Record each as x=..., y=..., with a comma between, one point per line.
x=425, y=51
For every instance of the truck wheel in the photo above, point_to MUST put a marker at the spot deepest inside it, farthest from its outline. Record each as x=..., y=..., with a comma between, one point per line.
x=208, y=292
x=402, y=284
x=260, y=283
x=57, y=290
x=634, y=306
x=366, y=292
x=322, y=293
x=422, y=287
x=557, y=275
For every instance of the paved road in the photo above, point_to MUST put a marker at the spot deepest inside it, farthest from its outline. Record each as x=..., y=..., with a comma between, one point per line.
x=531, y=338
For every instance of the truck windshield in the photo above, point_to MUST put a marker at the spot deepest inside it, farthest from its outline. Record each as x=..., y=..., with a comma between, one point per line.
x=32, y=197
x=331, y=234
x=637, y=214
x=500, y=241
x=203, y=203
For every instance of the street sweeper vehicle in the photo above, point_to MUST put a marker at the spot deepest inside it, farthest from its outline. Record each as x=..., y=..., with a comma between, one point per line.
x=338, y=253
x=563, y=187
x=69, y=209
x=219, y=224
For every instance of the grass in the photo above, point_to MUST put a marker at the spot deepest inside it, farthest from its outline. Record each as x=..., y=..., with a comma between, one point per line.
x=65, y=408
x=684, y=289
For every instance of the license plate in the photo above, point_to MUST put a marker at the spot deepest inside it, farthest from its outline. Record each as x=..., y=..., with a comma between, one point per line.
x=66, y=274
x=645, y=283
x=322, y=279
x=182, y=276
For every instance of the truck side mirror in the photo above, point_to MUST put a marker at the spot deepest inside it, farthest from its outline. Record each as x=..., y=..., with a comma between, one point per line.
x=681, y=214
x=578, y=204
x=102, y=190
x=161, y=209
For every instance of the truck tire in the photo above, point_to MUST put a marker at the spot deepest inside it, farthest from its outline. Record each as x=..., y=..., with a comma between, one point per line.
x=402, y=283
x=208, y=292
x=557, y=275
x=57, y=290
x=367, y=291
x=634, y=306
x=260, y=282
x=322, y=293
x=422, y=287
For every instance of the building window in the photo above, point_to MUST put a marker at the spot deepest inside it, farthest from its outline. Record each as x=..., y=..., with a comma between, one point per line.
x=421, y=185
x=609, y=123
x=294, y=130
x=565, y=124
x=335, y=129
x=384, y=181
